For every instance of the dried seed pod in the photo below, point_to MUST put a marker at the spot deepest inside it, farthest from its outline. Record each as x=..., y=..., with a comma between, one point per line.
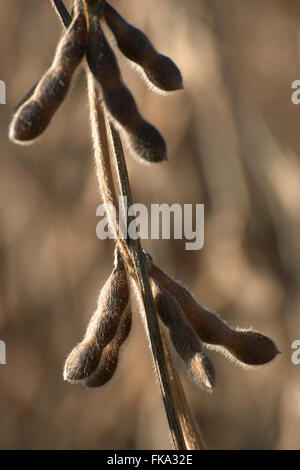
x=134, y=44
x=82, y=360
x=144, y=139
x=246, y=345
x=34, y=116
x=103, y=326
x=183, y=337
x=110, y=356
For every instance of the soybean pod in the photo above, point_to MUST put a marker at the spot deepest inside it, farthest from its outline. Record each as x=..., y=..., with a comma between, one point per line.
x=110, y=357
x=34, y=116
x=184, y=338
x=103, y=326
x=160, y=70
x=144, y=139
x=245, y=345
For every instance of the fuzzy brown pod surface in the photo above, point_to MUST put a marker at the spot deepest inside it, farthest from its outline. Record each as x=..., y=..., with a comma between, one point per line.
x=247, y=346
x=183, y=337
x=159, y=69
x=110, y=357
x=34, y=116
x=143, y=138
x=104, y=327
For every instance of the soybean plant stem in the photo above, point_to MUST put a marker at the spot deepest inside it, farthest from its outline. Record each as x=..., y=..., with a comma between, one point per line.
x=134, y=248
x=191, y=432
x=62, y=12
x=162, y=370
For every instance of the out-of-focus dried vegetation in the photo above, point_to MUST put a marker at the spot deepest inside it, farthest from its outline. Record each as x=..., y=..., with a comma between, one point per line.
x=233, y=145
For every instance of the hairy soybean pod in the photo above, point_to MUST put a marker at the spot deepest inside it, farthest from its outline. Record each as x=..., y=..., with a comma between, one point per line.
x=34, y=116
x=183, y=337
x=110, y=357
x=103, y=326
x=134, y=44
x=247, y=346
x=82, y=360
x=143, y=137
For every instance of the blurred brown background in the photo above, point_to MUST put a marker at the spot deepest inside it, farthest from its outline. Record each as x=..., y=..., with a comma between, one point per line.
x=234, y=145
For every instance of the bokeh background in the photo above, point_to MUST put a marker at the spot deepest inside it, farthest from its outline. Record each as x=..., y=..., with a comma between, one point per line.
x=234, y=145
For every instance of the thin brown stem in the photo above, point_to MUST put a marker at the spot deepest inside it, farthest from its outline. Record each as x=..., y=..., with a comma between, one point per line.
x=106, y=184
x=140, y=264
x=100, y=127
x=62, y=12
x=191, y=432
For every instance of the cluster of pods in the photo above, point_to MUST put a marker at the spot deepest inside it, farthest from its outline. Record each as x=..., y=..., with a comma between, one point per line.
x=190, y=326
x=84, y=38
